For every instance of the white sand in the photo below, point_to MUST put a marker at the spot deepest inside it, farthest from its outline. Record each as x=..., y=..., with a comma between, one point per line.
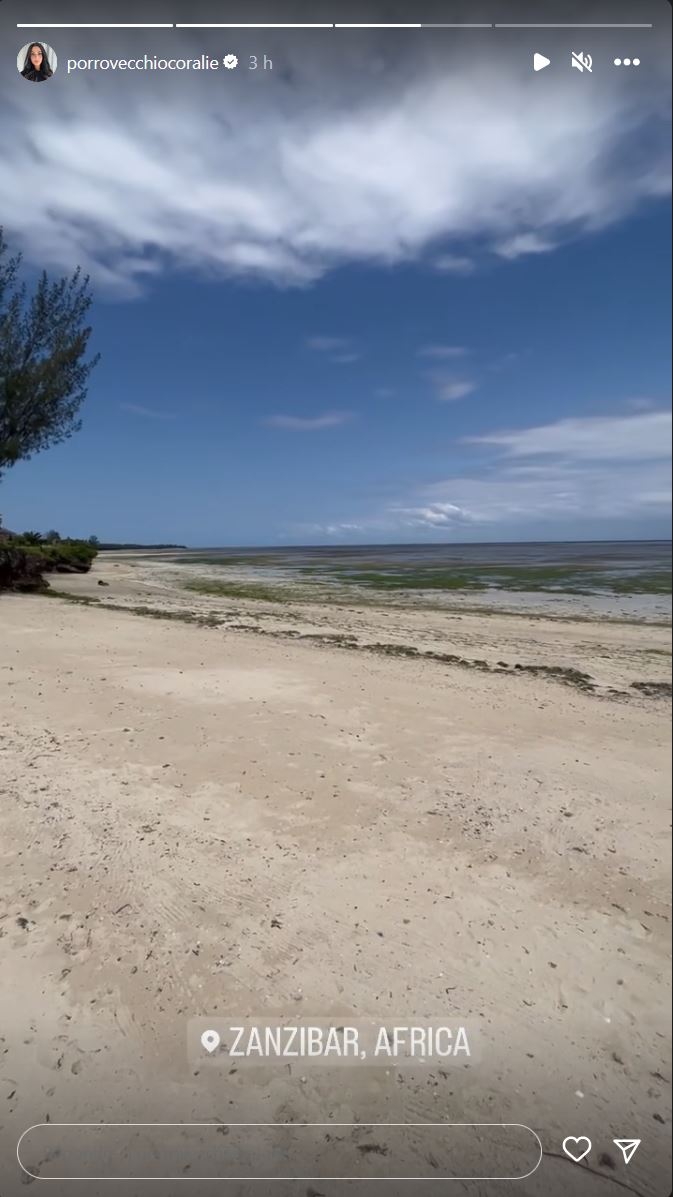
x=433, y=840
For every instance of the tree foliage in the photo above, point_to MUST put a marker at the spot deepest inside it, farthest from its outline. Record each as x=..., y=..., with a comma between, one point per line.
x=43, y=366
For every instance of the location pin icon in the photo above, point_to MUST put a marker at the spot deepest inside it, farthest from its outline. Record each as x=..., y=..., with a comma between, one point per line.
x=210, y=1040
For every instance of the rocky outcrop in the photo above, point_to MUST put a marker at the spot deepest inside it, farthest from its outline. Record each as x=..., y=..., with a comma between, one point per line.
x=20, y=570
x=22, y=564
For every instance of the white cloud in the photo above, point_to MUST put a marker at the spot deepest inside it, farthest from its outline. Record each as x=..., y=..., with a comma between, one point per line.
x=442, y=352
x=599, y=492
x=435, y=515
x=332, y=161
x=451, y=389
x=328, y=344
x=337, y=349
x=608, y=467
x=597, y=438
x=640, y=404
x=346, y=359
x=655, y=498
x=343, y=528
x=329, y=419
x=523, y=243
x=147, y=413
x=453, y=264
x=597, y=471
x=505, y=362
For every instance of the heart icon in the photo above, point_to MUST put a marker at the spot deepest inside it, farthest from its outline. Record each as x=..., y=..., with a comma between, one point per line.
x=577, y=1148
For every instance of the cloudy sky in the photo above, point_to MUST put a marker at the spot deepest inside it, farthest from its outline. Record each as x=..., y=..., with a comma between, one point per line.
x=399, y=287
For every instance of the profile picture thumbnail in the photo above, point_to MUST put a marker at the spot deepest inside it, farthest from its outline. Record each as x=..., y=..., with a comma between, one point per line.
x=36, y=62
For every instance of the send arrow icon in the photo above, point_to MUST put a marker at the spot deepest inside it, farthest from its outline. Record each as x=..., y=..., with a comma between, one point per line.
x=628, y=1147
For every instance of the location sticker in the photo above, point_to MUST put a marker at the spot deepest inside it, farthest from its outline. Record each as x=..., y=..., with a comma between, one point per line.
x=210, y=1040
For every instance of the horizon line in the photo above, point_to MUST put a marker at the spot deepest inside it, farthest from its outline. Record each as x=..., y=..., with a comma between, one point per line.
x=394, y=543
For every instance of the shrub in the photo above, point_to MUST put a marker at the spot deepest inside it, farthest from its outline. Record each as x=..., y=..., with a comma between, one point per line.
x=23, y=562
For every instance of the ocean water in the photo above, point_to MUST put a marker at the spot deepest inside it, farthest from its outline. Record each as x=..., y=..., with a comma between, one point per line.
x=598, y=579
x=437, y=572
x=608, y=555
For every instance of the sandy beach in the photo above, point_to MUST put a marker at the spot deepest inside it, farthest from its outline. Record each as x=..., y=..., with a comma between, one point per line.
x=218, y=806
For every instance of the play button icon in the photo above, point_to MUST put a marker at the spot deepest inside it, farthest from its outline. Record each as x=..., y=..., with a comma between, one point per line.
x=540, y=62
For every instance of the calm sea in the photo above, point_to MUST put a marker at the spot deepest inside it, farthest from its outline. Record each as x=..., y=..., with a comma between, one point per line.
x=610, y=555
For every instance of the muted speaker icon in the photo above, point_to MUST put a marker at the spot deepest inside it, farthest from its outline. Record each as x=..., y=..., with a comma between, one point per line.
x=581, y=62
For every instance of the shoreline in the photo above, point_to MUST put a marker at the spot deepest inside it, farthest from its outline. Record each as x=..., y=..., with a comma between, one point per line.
x=609, y=657
x=559, y=596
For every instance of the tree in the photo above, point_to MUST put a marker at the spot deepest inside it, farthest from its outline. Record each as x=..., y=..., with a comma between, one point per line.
x=43, y=366
x=94, y=541
x=32, y=537
x=52, y=536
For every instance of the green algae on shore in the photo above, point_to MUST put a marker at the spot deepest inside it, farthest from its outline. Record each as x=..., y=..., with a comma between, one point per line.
x=272, y=577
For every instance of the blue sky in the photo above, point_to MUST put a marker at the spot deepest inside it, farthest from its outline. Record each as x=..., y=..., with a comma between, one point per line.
x=381, y=364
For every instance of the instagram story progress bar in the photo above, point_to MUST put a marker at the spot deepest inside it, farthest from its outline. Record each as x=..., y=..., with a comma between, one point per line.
x=332, y=25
